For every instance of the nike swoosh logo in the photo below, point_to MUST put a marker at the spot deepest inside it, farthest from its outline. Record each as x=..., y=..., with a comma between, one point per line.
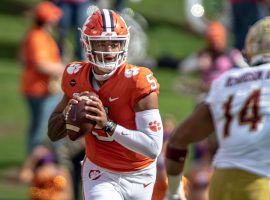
x=113, y=99
x=146, y=184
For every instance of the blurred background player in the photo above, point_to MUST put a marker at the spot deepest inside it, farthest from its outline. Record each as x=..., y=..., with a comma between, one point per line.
x=237, y=109
x=122, y=149
x=42, y=69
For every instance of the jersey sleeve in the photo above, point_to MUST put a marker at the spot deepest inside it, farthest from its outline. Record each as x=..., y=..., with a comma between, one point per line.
x=145, y=83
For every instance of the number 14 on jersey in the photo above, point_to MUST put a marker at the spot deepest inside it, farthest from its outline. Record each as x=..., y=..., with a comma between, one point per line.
x=248, y=115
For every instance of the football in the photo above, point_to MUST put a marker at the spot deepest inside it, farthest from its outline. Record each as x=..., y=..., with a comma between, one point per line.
x=76, y=124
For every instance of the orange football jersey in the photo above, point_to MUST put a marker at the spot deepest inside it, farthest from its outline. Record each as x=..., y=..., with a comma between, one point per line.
x=119, y=94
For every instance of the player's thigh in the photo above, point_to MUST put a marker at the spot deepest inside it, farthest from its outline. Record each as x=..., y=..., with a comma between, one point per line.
x=236, y=184
x=139, y=186
x=142, y=192
x=98, y=184
x=101, y=191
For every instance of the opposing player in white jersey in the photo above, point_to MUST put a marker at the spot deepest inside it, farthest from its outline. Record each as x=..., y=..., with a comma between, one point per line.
x=237, y=109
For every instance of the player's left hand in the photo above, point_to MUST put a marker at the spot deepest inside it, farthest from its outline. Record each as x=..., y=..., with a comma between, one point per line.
x=95, y=105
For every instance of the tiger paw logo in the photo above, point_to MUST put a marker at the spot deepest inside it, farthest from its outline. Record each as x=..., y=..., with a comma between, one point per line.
x=132, y=72
x=73, y=68
x=154, y=126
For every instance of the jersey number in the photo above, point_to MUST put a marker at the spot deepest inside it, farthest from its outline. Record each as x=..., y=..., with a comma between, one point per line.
x=248, y=115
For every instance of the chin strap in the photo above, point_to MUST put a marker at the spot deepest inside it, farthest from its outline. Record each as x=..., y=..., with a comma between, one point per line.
x=103, y=77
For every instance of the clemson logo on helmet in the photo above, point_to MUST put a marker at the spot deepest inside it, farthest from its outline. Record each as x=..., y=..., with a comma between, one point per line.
x=74, y=68
x=132, y=72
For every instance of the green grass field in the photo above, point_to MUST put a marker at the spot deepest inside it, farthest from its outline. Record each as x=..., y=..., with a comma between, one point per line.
x=165, y=38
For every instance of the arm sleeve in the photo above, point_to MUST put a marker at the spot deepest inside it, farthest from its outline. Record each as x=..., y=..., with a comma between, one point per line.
x=148, y=137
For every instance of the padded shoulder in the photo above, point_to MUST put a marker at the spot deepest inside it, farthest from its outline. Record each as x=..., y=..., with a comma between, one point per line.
x=142, y=82
x=74, y=77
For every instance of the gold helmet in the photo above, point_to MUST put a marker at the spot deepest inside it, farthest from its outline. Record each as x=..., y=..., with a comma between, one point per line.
x=257, y=44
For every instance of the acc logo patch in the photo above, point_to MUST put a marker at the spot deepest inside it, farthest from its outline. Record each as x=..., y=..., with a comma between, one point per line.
x=132, y=72
x=72, y=82
x=73, y=68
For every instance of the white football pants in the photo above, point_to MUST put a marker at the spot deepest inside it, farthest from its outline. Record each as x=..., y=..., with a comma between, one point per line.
x=100, y=184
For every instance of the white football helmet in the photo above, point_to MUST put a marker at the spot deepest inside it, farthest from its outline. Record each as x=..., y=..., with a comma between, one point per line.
x=257, y=44
x=105, y=25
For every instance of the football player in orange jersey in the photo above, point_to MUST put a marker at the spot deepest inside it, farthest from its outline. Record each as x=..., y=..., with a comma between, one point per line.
x=121, y=151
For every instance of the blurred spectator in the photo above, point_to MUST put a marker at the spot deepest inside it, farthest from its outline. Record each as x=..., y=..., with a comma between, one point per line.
x=48, y=180
x=117, y=5
x=70, y=154
x=244, y=14
x=199, y=175
x=42, y=68
x=74, y=15
x=210, y=61
x=215, y=59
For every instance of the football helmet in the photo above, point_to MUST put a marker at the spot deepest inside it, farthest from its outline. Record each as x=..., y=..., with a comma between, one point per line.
x=257, y=43
x=105, y=26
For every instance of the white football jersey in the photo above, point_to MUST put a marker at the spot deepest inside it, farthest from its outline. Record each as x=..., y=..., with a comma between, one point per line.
x=240, y=104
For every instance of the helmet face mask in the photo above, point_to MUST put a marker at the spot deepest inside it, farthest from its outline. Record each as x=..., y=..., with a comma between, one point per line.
x=105, y=38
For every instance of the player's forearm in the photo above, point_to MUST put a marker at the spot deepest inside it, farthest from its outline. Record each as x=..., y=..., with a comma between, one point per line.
x=175, y=160
x=147, y=140
x=56, y=127
x=137, y=141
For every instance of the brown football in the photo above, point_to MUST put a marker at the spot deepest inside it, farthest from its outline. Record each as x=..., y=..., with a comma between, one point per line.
x=77, y=125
